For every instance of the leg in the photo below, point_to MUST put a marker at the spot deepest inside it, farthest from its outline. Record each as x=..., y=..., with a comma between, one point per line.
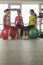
x=17, y=33
x=9, y=32
x=23, y=35
x=26, y=33
x=26, y=37
x=19, y=30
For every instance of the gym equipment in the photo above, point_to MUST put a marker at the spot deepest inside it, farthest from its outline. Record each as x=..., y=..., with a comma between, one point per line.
x=40, y=17
x=41, y=35
x=4, y=34
x=13, y=33
x=33, y=33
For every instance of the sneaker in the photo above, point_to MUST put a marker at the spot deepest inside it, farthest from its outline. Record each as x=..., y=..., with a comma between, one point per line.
x=26, y=37
x=9, y=38
x=23, y=37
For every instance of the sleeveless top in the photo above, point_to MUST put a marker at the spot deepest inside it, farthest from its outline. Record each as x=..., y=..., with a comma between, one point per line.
x=7, y=20
x=31, y=20
x=19, y=20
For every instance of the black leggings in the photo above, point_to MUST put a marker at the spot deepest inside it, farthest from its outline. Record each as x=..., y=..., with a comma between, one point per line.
x=25, y=28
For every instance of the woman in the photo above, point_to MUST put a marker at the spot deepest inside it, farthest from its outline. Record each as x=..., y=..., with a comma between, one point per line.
x=18, y=22
x=32, y=23
x=6, y=20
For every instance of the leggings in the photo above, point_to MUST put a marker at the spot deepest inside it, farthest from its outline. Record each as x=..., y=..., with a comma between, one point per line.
x=25, y=28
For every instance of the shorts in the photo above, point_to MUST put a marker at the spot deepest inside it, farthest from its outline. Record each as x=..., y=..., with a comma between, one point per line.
x=18, y=26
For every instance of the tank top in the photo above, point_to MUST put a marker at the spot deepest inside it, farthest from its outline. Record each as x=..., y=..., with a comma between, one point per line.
x=18, y=20
x=7, y=20
x=31, y=20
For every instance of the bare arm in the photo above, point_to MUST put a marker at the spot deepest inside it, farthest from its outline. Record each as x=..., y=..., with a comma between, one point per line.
x=22, y=22
x=15, y=21
x=35, y=20
x=4, y=20
x=29, y=21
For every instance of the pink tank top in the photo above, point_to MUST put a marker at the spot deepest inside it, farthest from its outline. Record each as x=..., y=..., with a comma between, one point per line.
x=18, y=20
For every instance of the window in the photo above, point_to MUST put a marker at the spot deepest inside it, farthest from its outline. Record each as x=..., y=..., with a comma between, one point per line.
x=2, y=8
x=13, y=15
x=15, y=6
x=1, y=27
x=13, y=12
x=42, y=6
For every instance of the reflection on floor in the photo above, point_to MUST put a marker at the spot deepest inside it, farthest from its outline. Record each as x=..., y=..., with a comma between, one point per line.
x=21, y=52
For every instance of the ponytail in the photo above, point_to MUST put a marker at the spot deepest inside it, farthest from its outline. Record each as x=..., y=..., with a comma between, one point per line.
x=35, y=14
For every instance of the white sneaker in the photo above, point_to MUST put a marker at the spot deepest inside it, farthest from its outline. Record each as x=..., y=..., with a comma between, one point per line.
x=26, y=37
x=9, y=38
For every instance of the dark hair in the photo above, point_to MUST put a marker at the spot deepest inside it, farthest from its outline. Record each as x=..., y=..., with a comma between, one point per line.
x=32, y=10
x=19, y=11
x=35, y=14
x=6, y=10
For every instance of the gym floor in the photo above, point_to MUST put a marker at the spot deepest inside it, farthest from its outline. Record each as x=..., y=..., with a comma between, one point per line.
x=21, y=52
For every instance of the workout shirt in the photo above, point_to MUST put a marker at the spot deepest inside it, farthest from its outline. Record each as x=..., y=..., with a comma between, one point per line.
x=31, y=20
x=18, y=20
x=7, y=20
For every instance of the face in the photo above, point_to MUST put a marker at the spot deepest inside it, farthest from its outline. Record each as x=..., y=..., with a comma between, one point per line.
x=31, y=13
x=7, y=12
x=18, y=13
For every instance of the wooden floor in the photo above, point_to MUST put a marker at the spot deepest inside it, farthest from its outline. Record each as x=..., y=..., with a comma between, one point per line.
x=21, y=52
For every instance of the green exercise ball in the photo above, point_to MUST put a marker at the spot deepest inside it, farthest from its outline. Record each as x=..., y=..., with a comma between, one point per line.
x=33, y=33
